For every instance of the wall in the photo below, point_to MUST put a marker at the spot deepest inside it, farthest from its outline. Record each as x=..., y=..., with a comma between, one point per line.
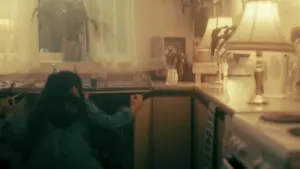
x=164, y=18
x=289, y=10
x=155, y=18
x=161, y=18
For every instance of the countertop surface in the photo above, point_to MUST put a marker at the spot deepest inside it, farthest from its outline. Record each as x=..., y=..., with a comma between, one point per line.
x=233, y=96
x=273, y=135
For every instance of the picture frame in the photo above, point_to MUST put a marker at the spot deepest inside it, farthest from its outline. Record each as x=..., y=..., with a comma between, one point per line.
x=166, y=47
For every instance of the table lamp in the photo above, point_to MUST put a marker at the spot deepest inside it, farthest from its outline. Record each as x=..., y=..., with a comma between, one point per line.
x=259, y=31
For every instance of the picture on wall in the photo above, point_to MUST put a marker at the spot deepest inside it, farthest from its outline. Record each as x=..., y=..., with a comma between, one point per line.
x=169, y=48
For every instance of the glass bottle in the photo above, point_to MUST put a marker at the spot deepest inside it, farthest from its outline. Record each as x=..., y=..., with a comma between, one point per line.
x=75, y=69
x=94, y=81
x=292, y=77
x=54, y=68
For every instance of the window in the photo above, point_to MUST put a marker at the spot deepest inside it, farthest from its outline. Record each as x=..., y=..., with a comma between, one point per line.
x=60, y=22
x=117, y=37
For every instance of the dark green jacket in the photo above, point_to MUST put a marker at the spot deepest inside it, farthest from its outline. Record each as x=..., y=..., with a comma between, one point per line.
x=67, y=148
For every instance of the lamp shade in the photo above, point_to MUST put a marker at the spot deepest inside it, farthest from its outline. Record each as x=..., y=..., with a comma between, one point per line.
x=260, y=29
x=213, y=23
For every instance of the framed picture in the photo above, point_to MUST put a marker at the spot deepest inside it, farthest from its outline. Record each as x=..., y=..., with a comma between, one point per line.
x=167, y=48
x=174, y=44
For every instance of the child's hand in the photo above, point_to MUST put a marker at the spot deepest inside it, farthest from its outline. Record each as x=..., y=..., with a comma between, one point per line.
x=136, y=102
x=86, y=96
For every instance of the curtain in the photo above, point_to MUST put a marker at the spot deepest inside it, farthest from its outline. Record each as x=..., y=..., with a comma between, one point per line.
x=114, y=41
x=95, y=40
x=18, y=36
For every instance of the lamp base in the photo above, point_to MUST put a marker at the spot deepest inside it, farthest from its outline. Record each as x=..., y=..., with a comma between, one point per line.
x=281, y=117
x=258, y=100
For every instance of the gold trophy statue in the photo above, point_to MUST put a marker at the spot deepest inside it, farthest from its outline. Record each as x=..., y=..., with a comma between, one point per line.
x=259, y=80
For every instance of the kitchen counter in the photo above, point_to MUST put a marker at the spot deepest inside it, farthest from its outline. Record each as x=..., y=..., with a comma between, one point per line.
x=232, y=98
x=277, y=135
x=270, y=142
x=235, y=94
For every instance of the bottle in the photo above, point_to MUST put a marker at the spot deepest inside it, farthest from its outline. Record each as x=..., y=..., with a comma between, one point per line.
x=75, y=69
x=54, y=68
x=93, y=81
